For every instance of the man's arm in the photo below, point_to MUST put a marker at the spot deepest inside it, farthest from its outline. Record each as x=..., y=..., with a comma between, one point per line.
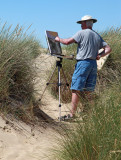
x=65, y=41
x=105, y=52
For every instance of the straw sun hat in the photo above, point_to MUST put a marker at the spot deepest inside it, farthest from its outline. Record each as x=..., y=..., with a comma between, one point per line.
x=86, y=18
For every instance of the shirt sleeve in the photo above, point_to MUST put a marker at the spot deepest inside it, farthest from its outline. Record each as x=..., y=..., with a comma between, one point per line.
x=103, y=43
x=77, y=36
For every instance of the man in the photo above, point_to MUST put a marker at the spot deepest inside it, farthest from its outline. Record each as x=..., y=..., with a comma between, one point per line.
x=85, y=74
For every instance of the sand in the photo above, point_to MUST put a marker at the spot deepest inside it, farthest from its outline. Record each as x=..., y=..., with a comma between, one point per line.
x=18, y=143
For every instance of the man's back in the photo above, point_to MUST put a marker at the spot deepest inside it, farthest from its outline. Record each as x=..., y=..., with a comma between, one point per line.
x=89, y=42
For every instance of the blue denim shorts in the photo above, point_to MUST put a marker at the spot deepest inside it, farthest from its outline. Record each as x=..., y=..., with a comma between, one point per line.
x=85, y=75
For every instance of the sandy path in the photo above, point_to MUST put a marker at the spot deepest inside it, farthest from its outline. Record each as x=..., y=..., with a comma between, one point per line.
x=50, y=104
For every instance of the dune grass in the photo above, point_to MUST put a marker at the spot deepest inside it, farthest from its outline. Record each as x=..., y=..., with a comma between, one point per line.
x=17, y=50
x=98, y=135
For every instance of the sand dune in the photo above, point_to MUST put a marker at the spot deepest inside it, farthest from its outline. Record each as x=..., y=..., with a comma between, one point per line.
x=21, y=142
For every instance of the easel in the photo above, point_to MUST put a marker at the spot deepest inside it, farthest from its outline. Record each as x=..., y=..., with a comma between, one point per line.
x=59, y=66
x=55, y=50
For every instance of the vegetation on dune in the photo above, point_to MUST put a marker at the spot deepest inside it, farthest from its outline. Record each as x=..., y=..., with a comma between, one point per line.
x=17, y=50
x=98, y=136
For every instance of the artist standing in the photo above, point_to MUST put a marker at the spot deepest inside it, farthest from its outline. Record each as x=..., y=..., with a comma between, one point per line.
x=85, y=74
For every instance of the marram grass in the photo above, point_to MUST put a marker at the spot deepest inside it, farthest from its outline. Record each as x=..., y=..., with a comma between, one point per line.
x=17, y=50
x=99, y=136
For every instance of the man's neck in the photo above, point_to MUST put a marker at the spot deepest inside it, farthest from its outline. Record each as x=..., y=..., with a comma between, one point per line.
x=89, y=28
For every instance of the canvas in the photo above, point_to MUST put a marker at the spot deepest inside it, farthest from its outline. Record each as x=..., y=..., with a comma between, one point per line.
x=54, y=47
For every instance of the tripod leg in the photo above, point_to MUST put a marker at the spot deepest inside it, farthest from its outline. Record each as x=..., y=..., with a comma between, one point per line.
x=47, y=83
x=59, y=86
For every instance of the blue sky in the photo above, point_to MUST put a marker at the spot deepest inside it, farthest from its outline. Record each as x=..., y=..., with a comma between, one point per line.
x=59, y=15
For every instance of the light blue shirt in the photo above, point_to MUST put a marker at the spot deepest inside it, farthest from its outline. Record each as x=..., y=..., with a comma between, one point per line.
x=89, y=42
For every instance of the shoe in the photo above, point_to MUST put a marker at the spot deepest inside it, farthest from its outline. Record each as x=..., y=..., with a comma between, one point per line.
x=66, y=118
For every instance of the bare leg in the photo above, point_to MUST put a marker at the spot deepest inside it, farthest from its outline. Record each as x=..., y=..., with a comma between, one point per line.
x=75, y=100
x=87, y=95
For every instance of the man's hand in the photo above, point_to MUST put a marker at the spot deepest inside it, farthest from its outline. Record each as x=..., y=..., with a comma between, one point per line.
x=103, y=52
x=98, y=57
x=57, y=39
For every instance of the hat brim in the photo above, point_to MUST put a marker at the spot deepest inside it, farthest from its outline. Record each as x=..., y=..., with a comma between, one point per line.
x=94, y=21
